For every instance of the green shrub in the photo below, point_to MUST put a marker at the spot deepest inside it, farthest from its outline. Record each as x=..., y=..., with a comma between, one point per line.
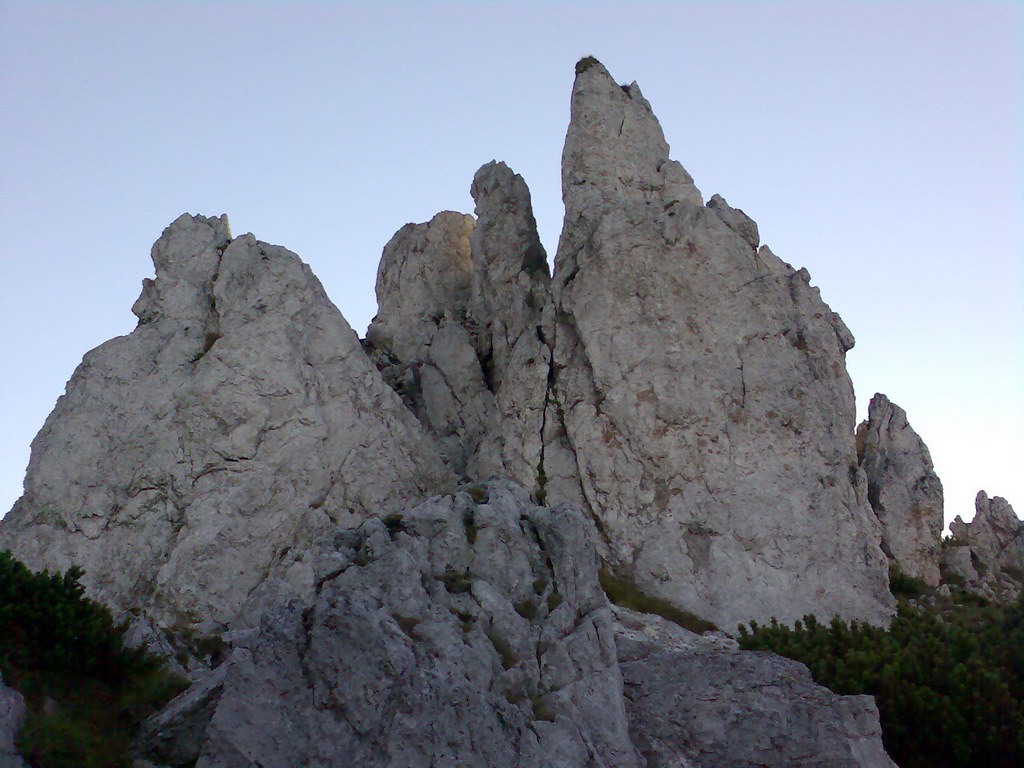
x=902, y=585
x=949, y=683
x=585, y=63
x=86, y=693
x=625, y=593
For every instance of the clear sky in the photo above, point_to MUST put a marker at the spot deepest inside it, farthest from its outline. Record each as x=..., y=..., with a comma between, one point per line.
x=876, y=144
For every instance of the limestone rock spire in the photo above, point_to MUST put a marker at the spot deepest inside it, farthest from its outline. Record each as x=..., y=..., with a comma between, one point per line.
x=903, y=489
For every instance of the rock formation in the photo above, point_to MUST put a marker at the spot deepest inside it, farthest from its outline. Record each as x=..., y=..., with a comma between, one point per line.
x=696, y=701
x=471, y=631
x=205, y=450
x=12, y=716
x=683, y=386
x=700, y=388
x=903, y=489
x=986, y=555
x=673, y=402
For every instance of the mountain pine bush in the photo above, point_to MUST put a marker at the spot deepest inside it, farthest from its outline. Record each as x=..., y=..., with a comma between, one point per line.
x=86, y=692
x=948, y=678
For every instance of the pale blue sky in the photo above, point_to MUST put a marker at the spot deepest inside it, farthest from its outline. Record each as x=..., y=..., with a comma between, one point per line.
x=876, y=144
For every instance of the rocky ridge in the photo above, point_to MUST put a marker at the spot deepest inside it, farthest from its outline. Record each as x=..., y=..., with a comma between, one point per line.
x=672, y=403
x=471, y=631
x=903, y=489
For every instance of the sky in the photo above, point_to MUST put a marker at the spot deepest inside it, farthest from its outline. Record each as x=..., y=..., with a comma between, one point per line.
x=876, y=144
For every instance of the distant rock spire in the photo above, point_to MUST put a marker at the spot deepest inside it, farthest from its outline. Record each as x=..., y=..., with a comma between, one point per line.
x=903, y=489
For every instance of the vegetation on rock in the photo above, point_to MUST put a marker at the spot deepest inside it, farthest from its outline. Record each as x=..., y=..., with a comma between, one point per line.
x=626, y=594
x=948, y=676
x=86, y=693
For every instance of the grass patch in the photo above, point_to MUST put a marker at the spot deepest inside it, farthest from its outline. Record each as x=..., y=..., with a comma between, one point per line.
x=508, y=656
x=625, y=593
x=527, y=609
x=457, y=582
x=585, y=63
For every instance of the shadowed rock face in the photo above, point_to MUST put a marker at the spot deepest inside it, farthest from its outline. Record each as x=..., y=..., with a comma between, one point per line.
x=204, y=451
x=471, y=631
x=12, y=716
x=986, y=555
x=903, y=489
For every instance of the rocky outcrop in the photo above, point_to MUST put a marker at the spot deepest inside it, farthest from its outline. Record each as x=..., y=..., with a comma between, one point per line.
x=903, y=489
x=459, y=331
x=12, y=717
x=202, y=453
x=469, y=630
x=694, y=701
x=986, y=555
x=700, y=410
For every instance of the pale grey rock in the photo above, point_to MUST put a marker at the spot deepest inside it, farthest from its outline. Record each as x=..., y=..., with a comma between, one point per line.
x=467, y=631
x=511, y=289
x=424, y=277
x=697, y=700
x=721, y=709
x=459, y=329
x=700, y=411
x=12, y=717
x=986, y=555
x=736, y=220
x=903, y=489
x=203, y=452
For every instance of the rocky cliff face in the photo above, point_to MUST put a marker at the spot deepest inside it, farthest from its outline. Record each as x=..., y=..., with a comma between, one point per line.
x=471, y=631
x=986, y=555
x=701, y=388
x=903, y=489
x=12, y=716
x=194, y=457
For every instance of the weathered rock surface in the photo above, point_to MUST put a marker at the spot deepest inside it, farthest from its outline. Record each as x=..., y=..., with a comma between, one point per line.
x=472, y=631
x=205, y=450
x=986, y=555
x=458, y=330
x=468, y=631
x=12, y=717
x=700, y=389
x=903, y=489
x=694, y=701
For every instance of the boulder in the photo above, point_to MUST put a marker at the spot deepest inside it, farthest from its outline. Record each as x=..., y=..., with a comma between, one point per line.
x=698, y=701
x=903, y=489
x=203, y=452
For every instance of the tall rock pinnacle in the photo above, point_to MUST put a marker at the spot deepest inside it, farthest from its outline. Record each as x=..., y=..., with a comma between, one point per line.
x=903, y=489
x=699, y=388
x=193, y=462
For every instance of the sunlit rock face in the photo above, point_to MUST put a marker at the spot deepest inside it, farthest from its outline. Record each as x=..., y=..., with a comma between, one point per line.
x=699, y=389
x=459, y=329
x=986, y=555
x=903, y=489
x=202, y=453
